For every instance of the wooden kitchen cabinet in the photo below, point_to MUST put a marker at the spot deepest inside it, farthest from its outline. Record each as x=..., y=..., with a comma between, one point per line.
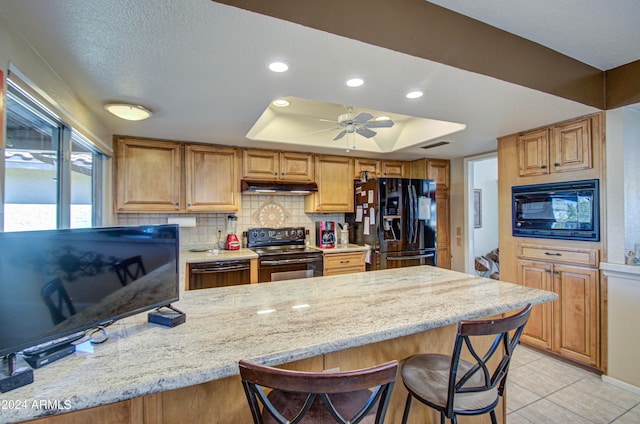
x=211, y=178
x=334, y=176
x=372, y=166
x=150, y=174
x=394, y=169
x=561, y=148
x=570, y=325
x=344, y=263
x=147, y=175
x=273, y=165
x=539, y=328
x=438, y=170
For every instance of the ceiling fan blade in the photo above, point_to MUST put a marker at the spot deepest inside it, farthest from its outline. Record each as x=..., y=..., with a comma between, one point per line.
x=362, y=117
x=365, y=132
x=387, y=123
x=340, y=135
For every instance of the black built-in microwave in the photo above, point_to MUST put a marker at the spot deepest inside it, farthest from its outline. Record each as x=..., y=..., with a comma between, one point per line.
x=566, y=210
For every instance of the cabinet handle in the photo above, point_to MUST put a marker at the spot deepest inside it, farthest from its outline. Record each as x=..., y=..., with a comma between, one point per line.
x=556, y=272
x=189, y=205
x=547, y=270
x=556, y=164
x=275, y=173
x=344, y=262
x=176, y=204
x=552, y=254
x=543, y=166
x=282, y=173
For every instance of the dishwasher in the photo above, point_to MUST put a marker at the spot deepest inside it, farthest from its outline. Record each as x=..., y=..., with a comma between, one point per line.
x=206, y=275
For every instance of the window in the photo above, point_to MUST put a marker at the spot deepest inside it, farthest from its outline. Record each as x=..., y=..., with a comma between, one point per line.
x=52, y=172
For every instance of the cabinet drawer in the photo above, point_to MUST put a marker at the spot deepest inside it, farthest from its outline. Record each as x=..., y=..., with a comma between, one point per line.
x=343, y=263
x=586, y=257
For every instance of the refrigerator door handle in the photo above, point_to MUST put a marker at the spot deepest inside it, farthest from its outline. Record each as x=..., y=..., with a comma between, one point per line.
x=402, y=258
x=415, y=214
x=410, y=207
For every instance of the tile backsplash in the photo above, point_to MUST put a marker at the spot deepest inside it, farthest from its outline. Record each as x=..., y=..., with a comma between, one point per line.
x=256, y=211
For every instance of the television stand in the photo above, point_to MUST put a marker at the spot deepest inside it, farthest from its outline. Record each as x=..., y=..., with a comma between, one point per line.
x=12, y=378
x=167, y=315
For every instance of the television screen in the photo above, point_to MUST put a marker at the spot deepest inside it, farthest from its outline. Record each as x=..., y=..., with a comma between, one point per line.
x=60, y=282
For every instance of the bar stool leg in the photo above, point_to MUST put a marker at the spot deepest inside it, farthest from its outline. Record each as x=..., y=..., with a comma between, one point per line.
x=407, y=405
x=494, y=419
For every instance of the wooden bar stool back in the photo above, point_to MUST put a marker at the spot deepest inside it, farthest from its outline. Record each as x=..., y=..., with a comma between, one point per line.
x=454, y=386
x=318, y=397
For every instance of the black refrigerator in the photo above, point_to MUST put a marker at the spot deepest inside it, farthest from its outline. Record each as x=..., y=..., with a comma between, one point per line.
x=397, y=218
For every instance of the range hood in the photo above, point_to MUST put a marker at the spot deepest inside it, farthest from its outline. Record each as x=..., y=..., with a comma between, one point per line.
x=277, y=187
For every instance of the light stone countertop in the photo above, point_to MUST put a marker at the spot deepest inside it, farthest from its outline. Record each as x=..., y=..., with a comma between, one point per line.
x=343, y=249
x=224, y=325
x=188, y=256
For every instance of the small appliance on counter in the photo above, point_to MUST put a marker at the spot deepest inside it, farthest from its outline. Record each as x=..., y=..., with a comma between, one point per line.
x=232, y=239
x=326, y=234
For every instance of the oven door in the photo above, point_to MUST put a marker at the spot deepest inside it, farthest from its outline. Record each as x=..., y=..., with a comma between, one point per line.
x=289, y=266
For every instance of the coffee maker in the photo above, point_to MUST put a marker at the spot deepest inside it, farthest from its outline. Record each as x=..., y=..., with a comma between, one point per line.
x=232, y=239
x=325, y=234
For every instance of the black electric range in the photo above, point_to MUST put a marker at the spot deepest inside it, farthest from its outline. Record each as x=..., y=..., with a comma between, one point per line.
x=283, y=254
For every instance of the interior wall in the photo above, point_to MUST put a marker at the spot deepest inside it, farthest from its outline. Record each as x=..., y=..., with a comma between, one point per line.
x=631, y=137
x=457, y=214
x=485, y=178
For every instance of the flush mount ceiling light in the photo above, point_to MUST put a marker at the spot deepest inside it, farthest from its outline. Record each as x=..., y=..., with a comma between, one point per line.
x=278, y=66
x=355, y=82
x=280, y=103
x=414, y=94
x=128, y=111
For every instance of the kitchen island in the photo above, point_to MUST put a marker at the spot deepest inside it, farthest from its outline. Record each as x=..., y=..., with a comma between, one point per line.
x=148, y=373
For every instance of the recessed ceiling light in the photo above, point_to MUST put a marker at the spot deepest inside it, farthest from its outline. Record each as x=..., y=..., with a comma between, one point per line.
x=280, y=103
x=414, y=94
x=383, y=118
x=355, y=82
x=278, y=66
x=128, y=111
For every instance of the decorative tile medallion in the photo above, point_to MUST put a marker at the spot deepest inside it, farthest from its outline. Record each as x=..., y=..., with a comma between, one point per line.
x=271, y=214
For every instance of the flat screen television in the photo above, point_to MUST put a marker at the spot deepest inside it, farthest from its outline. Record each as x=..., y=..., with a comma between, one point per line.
x=61, y=282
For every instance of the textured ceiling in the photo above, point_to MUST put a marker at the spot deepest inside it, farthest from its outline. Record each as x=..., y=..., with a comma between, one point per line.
x=202, y=67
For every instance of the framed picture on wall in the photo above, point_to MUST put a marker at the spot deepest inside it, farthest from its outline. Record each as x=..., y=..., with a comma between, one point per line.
x=477, y=208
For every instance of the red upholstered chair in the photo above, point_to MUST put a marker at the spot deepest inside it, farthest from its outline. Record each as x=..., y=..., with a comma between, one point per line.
x=360, y=396
x=453, y=386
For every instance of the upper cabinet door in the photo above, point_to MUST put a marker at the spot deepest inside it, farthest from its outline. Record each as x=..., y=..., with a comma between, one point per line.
x=147, y=175
x=335, y=185
x=533, y=153
x=260, y=164
x=211, y=179
x=572, y=149
x=372, y=166
x=296, y=166
x=394, y=169
x=438, y=170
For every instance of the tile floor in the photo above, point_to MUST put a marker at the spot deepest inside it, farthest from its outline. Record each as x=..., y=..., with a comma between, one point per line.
x=543, y=390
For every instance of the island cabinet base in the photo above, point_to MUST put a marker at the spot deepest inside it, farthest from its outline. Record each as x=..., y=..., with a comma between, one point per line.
x=223, y=401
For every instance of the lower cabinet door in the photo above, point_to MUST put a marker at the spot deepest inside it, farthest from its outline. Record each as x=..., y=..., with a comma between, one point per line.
x=539, y=328
x=576, y=313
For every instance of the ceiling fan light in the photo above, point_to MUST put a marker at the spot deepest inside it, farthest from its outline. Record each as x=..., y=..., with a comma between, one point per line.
x=278, y=67
x=355, y=82
x=129, y=112
x=414, y=94
x=280, y=103
x=383, y=118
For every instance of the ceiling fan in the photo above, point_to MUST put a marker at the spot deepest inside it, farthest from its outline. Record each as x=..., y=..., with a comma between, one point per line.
x=359, y=124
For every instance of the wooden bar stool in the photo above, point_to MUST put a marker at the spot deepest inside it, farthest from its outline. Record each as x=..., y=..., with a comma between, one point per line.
x=454, y=386
x=317, y=397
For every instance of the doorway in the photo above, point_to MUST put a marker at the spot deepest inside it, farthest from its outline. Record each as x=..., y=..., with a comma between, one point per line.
x=481, y=211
